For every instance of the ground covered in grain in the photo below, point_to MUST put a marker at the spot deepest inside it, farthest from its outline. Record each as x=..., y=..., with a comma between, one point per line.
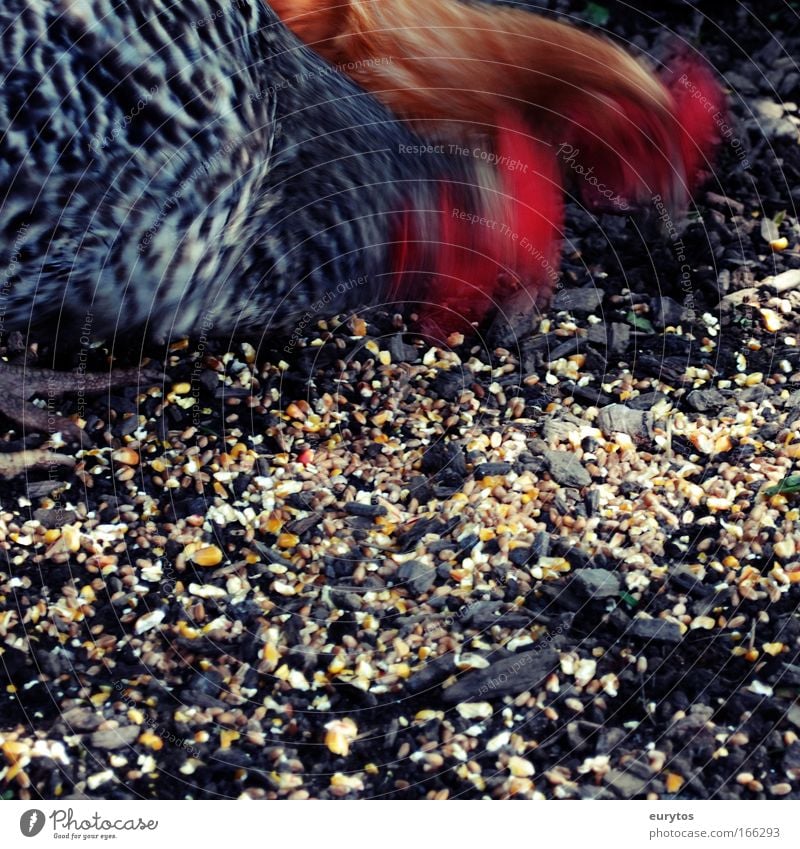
x=560, y=563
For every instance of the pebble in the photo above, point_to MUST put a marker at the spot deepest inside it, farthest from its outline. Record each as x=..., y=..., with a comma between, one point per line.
x=523, y=671
x=666, y=312
x=596, y=583
x=356, y=508
x=486, y=470
x=618, y=418
x=419, y=577
x=625, y=784
x=566, y=468
x=82, y=719
x=115, y=738
x=705, y=400
x=583, y=301
x=54, y=517
x=658, y=630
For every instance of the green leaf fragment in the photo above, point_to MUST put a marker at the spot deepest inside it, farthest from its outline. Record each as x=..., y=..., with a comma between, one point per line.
x=788, y=486
x=640, y=323
x=596, y=14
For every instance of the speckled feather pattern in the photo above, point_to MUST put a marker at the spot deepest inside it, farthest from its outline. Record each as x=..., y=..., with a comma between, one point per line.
x=187, y=166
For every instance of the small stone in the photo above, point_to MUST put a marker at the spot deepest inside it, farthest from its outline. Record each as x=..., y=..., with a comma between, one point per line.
x=791, y=761
x=115, y=738
x=789, y=675
x=769, y=318
x=625, y=784
x=596, y=583
x=512, y=675
x=618, y=418
x=99, y=778
x=793, y=400
x=793, y=715
x=666, y=312
x=566, y=468
x=486, y=470
x=402, y=353
x=284, y=540
x=56, y=517
x=647, y=401
x=498, y=741
x=729, y=204
x=705, y=400
x=419, y=577
x=151, y=740
x=585, y=301
x=658, y=630
x=615, y=336
x=771, y=120
x=450, y=384
x=434, y=672
x=71, y=537
x=758, y=393
x=82, y=719
x=785, y=281
x=356, y=508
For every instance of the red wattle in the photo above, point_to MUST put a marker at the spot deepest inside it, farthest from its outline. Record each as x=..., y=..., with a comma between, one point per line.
x=699, y=109
x=475, y=253
x=620, y=155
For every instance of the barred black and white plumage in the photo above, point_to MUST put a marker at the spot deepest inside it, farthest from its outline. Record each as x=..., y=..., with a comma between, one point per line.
x=183, y=168
x=164, y=164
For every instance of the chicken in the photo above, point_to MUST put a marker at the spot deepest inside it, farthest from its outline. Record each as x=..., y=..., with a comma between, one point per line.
x=175, y=169
x=450, y=67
